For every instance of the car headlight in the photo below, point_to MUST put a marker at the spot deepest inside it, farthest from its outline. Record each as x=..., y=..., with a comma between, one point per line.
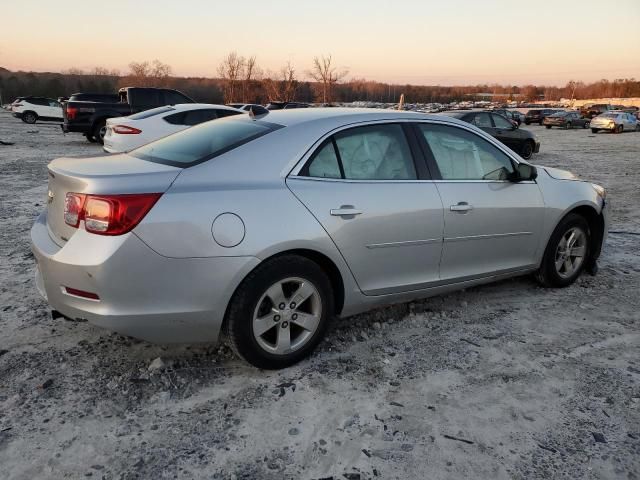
x=600, y=190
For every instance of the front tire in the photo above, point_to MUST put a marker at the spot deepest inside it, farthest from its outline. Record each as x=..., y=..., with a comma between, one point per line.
x=89, y=138
x=548, y=127
x=568, y=125
x=618, y=129
x=586, y=124
x=594, y=130
x=29, y=117
x=566, y=254
x=280, y=312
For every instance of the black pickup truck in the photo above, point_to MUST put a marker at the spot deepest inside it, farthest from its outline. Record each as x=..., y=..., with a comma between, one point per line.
x=90, y=116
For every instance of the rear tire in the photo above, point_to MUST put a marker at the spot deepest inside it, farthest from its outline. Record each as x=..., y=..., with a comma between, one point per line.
x=266, y=300
x=527, y=123
x=29, y=117
x=99, y=130
x=527, y=150
x=594, y=130
x=548, y=127
x=586, y=124
x=89, y=138
x=568, y=125
x=618, y=129
x=563, y=261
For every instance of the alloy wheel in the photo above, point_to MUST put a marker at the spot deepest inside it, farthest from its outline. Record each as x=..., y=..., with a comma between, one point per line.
x=571, y=252
x=287, y=315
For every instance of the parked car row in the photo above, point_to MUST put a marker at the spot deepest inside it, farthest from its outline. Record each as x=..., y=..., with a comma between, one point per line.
x=31, y=109
x=520, y=141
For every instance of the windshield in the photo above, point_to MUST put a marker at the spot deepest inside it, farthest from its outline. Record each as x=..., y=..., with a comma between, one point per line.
x=203, y=142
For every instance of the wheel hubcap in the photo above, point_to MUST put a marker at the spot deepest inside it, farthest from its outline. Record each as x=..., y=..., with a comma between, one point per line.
x=287, y=315
x=571, y=252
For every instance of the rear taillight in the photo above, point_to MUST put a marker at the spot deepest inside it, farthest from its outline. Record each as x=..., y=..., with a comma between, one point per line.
x=71, y=112
x=108, y=214
x=125, y=130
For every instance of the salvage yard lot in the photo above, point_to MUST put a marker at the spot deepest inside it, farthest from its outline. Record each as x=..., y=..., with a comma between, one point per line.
x=507, y=380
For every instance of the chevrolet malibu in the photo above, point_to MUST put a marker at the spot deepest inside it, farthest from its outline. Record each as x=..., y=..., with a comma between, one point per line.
x=265, y=229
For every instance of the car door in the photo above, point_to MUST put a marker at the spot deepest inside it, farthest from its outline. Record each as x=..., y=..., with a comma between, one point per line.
x=506, y=132
x=492, y=224
x=369, y=188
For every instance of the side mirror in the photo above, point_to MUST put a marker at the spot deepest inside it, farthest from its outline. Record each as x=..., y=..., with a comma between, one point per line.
x=525, y=172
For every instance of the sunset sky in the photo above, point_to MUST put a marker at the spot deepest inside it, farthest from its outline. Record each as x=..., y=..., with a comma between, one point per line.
x=419, y=42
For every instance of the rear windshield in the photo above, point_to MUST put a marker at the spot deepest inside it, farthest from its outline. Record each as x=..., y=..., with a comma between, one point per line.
x=151, y=113
x=609, y=115
x=204, y=142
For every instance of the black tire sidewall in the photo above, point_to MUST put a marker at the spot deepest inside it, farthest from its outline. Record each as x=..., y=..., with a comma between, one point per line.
x=29, y=114
x=239, y=316
x=96, y=131
x=548, y=271
x=527, y=150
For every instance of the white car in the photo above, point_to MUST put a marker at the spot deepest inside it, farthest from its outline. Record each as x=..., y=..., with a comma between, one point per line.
x=616, y=122
x=126, y=133
x=254, y=107
x=32, y=109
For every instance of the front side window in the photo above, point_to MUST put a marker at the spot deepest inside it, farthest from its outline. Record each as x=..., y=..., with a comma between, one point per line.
x=462, y=155
x=203, y=142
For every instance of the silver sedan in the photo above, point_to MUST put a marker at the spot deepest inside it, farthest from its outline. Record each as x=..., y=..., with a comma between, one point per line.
x=266, y=228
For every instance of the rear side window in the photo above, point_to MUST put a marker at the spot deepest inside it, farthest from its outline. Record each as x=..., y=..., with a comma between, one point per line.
x=482, y=120
x=151, y=113
x=324, y=163
x=375, y=152
x=203, y=142
x=226, y=113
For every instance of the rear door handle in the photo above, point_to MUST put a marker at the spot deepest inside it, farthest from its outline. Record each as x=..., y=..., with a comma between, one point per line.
x=345, y=211
x=461, y=207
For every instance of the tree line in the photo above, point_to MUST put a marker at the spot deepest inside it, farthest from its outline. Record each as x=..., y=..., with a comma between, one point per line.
x=241, y=79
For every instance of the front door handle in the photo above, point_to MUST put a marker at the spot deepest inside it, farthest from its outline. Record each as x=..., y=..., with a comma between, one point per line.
x=461, y=207
x=345, y=211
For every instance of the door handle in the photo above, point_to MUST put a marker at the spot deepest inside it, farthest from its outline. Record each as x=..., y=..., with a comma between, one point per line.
x=461, y=207
x=345, y=211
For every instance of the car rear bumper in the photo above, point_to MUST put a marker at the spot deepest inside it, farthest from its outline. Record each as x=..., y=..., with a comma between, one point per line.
x=76, y=127
x=141, y=293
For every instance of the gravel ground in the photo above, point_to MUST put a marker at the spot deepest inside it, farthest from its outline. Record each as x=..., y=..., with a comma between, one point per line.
x=503, y=381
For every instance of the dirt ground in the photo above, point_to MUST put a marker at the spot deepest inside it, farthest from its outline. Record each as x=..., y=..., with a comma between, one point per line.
x=504, y=381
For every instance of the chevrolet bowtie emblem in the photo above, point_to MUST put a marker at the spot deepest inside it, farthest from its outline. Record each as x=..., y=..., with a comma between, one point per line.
x=49, y=196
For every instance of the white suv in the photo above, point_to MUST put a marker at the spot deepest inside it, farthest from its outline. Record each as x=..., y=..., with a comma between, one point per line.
x=31, y=109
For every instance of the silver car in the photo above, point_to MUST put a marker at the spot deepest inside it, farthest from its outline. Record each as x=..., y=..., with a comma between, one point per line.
x=616, y=122
x=266, y=228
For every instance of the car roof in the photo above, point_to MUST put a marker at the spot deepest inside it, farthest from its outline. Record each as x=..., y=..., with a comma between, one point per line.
x=180, y=107
x=341, y=115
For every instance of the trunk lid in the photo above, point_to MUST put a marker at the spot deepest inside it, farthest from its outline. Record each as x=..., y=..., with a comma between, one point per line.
x=117, y=174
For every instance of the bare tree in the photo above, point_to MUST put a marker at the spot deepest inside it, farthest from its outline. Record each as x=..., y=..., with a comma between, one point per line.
x=327, y=75
x=281, y=85
x=73, y=71
x=251, y=72
x=230, y=70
